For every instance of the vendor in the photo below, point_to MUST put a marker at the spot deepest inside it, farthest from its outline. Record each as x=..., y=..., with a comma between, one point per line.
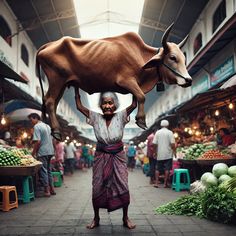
x=226, y=138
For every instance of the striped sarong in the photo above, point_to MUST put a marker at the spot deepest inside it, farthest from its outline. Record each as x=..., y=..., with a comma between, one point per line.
x=110, y=177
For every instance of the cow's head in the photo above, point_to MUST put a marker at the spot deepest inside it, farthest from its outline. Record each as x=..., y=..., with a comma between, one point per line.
x=170, y=62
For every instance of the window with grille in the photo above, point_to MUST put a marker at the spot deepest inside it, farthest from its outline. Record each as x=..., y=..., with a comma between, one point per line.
x=219, y=16
x=197, y=43
x=24, y=54
x=5, y=31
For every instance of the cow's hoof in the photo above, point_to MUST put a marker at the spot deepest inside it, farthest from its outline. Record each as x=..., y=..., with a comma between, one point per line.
x=141, y=124
x=57, y=135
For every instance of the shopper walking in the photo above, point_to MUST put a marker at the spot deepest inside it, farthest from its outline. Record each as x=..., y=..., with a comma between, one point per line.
x=70, y=153
x=59, y=157
x=131, y=153
x=152, y=159
x=164, y=149
x=43, y=150
x=110, y=175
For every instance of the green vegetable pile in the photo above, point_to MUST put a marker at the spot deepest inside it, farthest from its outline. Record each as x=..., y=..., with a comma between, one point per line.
x=217, y=204
x=196, y=150
x=7, y=158
x=185, y=205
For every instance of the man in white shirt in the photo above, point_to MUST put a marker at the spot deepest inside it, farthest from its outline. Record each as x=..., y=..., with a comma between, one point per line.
x=164, y=149
x=70, y=157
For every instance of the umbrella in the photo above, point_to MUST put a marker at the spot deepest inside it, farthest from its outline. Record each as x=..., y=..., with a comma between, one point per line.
x=21, y=114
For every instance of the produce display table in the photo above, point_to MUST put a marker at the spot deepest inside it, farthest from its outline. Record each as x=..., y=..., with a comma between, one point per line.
x=198, y=167
x=193, y=167
x=19, y=170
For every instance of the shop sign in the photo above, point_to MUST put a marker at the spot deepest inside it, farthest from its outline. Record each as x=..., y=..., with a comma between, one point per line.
x=223, y=71
x=5, y=60
x=200, y=85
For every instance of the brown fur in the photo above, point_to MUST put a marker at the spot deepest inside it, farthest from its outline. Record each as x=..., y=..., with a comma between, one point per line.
x=123, y=64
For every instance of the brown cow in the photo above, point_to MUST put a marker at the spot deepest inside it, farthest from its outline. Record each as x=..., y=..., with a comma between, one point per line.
x=123, y=64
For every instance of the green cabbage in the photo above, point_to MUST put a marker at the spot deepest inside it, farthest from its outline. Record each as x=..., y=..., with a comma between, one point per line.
x=211, y=181
x=232, y=171
x=205, y=176
x=219, y=169
x=224, y=178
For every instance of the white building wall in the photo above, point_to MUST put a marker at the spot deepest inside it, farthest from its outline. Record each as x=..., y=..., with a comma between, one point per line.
x=169, y=98
x=13, y=55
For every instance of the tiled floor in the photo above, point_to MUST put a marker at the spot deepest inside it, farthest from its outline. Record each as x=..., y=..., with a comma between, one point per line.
x=70, y=211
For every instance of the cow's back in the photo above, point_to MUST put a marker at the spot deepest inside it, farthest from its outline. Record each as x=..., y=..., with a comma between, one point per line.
x=95, y=65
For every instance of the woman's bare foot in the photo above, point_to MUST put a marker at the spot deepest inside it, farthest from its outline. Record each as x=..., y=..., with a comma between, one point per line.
x=94, y=224
x=127, y=223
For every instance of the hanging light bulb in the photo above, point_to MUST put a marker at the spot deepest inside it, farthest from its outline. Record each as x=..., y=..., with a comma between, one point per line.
x=211, y=129
x=231, y=106
x=24, y=135
x=217, y=113
x=176, y=135
x=186, y=129
x=3, y=120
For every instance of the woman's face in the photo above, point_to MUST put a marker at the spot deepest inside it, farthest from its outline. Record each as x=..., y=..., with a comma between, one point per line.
x=108, y=106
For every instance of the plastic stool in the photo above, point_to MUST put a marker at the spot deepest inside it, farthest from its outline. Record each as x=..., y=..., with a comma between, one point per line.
x=57, y=180
x=27, y=190
x=176, y=181
x=6, y=203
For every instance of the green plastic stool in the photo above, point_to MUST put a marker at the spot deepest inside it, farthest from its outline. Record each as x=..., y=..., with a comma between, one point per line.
x=177, y=183
x=27, y=190
x=57, y=180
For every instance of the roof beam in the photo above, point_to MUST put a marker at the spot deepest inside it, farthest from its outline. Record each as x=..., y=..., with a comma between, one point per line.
x=158, y=26
x=58, y=22
x=29, y=25
x=36, y=11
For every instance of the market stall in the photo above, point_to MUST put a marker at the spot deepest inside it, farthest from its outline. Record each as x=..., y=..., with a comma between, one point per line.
x=201, y=120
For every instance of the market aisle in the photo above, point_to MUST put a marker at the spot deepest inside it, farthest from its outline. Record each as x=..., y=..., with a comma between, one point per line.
x=70, y=211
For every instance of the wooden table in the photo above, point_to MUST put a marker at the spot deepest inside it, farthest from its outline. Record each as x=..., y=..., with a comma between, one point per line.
x=198, y=167
x=19, y=170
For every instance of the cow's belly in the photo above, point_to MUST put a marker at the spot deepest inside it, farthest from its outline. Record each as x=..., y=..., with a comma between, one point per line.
x=95, y=85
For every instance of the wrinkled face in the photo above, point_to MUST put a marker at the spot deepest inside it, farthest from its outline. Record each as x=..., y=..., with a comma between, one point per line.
x=175, y=59
x=108, y=106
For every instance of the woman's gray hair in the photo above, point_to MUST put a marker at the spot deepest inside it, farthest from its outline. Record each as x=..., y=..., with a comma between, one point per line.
x=109, y=95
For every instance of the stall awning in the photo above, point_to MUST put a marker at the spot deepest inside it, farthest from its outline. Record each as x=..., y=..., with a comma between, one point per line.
x=7, y=72
x=229, y=83
x=211, y=98
x=16, y=104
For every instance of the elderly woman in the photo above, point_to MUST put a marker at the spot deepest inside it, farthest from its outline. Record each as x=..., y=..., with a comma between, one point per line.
x=110, y=175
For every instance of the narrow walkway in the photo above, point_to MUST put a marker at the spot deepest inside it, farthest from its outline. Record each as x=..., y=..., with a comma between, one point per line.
x=70, y=211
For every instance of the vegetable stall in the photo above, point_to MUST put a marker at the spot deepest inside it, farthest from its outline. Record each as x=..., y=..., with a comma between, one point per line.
x=212, y=197
x=199, y=158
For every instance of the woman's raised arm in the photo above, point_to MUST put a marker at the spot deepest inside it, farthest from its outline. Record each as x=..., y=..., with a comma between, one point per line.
x=84, y=110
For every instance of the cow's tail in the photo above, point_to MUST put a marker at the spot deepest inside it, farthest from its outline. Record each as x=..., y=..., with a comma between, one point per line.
x=43, y=108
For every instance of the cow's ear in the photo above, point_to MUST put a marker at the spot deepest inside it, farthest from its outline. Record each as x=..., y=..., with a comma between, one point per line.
x=153, y=62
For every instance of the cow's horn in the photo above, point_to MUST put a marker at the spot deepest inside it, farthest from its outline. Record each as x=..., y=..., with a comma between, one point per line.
x=165, y=36
x=181, y=44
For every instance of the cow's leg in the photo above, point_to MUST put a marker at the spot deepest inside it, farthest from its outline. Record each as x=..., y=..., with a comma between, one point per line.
x=132, y=86
x=54, y=93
